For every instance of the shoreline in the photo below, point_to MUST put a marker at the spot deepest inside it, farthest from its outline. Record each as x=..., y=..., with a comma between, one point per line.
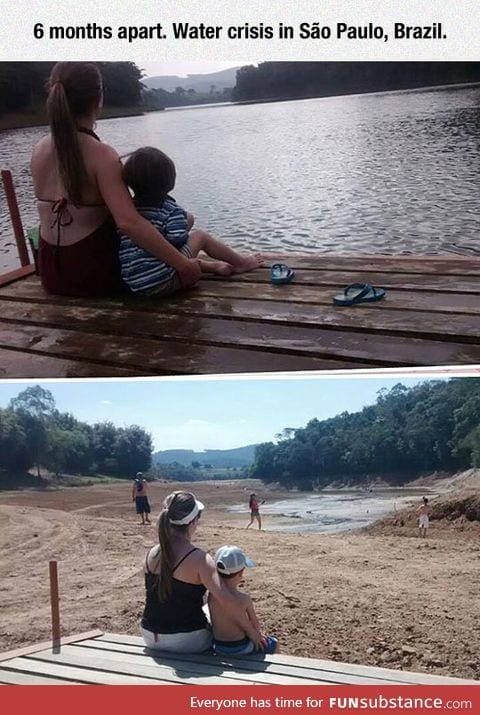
x=26, y=120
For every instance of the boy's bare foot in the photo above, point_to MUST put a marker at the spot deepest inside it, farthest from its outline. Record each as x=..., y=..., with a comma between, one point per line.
x=248, y=262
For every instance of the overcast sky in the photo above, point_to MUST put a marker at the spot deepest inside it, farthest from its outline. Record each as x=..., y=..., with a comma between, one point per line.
x=182, y=69
x=211, y=413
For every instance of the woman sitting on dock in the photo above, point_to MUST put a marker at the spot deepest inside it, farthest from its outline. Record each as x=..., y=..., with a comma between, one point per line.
x=82, y=198
x=177, y=576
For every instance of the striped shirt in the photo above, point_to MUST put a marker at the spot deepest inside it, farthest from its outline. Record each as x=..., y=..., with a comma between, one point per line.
x=141, y=270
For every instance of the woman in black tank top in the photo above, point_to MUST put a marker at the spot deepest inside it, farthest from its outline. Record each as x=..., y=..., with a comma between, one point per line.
x=173, y=618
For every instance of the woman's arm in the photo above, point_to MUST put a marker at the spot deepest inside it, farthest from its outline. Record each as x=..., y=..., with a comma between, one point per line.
x=211, y=580
x=119, y=202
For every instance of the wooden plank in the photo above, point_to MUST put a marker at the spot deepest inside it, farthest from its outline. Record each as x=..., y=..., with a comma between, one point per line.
x=340, y=279
x=391, y=350
x=12, y=677
x=423, y=323
x=156, y=356
x=16, y=275
x=23, y=364
x=466, y=303
x=200, y=666
x=431, y=301
x=45, y=645
x=124, y=664
x=26, y=668
x=386, y=673
x=451, y=264
x=420, y=324
x=273, y=669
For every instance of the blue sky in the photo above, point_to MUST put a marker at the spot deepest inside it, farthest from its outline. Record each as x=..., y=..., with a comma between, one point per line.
x=211, y=413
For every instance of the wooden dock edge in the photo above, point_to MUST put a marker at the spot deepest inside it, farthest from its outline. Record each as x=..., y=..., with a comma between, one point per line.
x=45, y=645
x=17, y=274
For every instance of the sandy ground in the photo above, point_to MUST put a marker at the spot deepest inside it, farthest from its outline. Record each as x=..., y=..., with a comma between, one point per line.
x=380, y=598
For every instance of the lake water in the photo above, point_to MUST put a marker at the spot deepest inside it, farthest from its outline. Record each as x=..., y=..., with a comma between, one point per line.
x=394, y=172
x=332, y=511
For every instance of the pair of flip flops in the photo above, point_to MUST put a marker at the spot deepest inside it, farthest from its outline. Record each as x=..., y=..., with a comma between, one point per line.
x=281, y=274
x=359, y=293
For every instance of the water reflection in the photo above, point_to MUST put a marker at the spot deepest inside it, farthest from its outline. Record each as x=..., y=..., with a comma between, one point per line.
x=384, y=173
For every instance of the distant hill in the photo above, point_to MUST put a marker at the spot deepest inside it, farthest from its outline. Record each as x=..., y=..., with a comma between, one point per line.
x=201, y=83
x=226, y=458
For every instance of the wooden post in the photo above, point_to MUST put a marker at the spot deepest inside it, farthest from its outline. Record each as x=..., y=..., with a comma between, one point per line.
x=54, y=604
x=15, y=217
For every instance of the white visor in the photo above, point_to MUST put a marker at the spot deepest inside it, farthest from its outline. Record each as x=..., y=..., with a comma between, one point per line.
x=198, y=507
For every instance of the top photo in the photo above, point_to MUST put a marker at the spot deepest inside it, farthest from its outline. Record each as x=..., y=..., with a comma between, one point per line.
x=209, y=218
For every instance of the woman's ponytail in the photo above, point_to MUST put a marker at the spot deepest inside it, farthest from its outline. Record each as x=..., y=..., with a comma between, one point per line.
x=74, y=90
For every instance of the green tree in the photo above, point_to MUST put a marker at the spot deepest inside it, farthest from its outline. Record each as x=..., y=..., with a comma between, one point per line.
x=132, y=450
x=15, y=451
x=34, y=407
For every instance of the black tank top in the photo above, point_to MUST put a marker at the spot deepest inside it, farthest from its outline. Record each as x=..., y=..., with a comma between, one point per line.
x=182, y=613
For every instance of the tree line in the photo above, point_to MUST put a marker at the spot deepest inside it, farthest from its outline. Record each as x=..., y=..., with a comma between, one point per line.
x=408, y=431
x=196, y=472
x=35, y=435
x=296, y=80
x=23, y=85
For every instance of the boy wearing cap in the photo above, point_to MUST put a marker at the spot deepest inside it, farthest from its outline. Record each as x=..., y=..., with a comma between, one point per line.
x=228, y=637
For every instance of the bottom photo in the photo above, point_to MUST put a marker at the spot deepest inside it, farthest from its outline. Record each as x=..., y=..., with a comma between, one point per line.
x=280, y=530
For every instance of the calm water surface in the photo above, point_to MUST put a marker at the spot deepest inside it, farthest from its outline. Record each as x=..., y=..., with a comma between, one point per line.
x=382, y=173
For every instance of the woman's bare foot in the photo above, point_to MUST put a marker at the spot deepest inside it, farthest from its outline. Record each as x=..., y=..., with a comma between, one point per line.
x=248, y=262
x=218, y=268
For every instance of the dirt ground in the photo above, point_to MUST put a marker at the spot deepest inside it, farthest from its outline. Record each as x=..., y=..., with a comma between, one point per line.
x=383, y=597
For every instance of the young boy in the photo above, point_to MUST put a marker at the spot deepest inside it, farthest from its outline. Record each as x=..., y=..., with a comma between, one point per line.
x=151, y=175
x=228, y=637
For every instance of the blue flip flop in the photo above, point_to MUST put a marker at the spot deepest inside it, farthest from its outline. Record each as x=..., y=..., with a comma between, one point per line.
x=359, y=293
x=281, y=274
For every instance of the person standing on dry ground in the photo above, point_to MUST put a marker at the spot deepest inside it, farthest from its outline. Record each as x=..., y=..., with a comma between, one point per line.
x=177, y=576
x=423, y=519
x=253, y=505
x=139, y=496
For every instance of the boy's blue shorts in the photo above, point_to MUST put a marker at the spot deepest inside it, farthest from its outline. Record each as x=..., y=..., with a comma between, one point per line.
x=243, y=646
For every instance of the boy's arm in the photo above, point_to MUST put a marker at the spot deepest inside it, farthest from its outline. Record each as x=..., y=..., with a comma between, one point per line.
x=251, y=613
x=176, y=227
x=234, y=606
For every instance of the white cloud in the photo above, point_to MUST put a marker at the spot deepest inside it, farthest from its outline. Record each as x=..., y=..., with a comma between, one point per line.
x=202, y=434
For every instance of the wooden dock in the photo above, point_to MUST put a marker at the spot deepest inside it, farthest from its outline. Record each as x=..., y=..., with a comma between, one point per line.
x=110, y=659
x=430, y=317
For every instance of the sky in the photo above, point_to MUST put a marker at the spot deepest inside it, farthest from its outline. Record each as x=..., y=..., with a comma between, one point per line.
x=182, y=69
x=221, y=413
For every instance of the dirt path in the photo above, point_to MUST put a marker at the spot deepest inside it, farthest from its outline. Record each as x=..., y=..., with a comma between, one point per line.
x=364, y=598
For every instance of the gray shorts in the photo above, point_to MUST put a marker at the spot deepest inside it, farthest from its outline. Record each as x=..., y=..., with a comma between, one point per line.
x=192, y=642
